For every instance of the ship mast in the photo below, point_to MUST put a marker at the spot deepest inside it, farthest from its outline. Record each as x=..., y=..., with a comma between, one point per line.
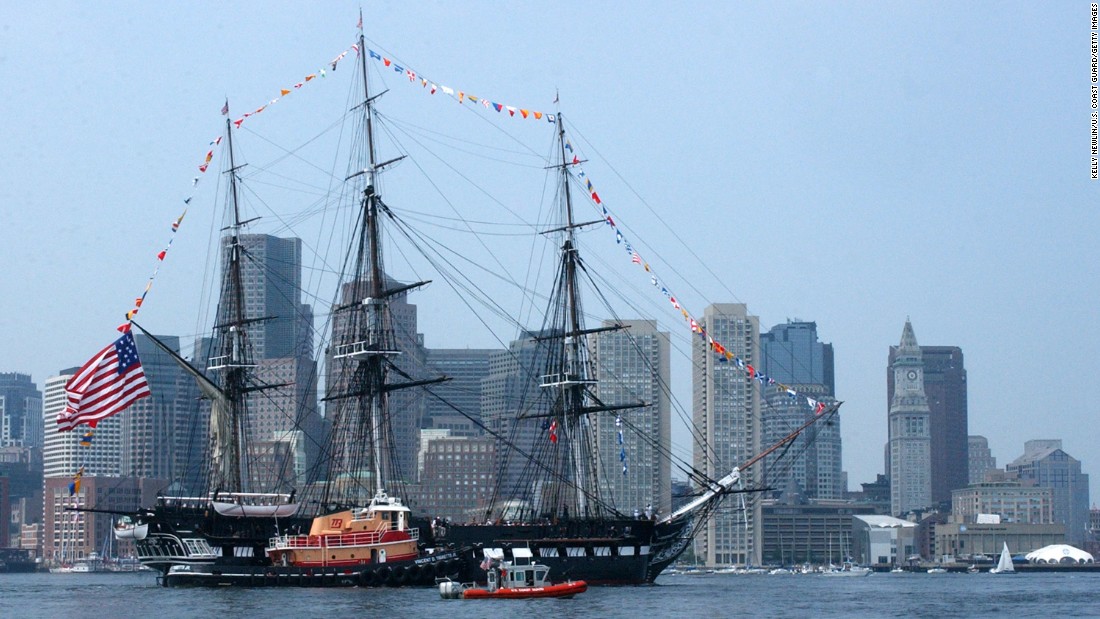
x=234, y=356
x=368, y=341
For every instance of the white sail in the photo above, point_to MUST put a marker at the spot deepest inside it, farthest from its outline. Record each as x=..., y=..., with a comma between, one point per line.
x=1004, y=564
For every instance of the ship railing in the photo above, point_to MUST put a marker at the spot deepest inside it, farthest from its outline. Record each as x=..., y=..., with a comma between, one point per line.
x=344, y=540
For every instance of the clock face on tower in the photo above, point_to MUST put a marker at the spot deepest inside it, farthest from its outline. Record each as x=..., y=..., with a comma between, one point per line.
x=912, y=375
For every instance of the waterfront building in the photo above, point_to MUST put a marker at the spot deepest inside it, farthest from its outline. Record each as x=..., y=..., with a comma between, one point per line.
x=944, y=381
x=962, y=540
x=910, y=456
x=1045, y=464
x=726, y=406
x=632, y=366
x=70, y=536
x=21, y=470
x=807, y=531
x=1012, y=501
x=980, y=458
x=883, y=540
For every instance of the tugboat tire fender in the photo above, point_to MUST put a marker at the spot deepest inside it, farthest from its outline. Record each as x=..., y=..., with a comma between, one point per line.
x=384, y=573
x=400, y=574
x=412, y=574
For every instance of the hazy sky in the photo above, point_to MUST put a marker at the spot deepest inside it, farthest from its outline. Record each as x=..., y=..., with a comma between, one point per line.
x=847, y=163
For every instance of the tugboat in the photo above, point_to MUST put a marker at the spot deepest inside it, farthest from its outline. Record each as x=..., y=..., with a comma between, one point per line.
x=512, y=581
x=373, y=546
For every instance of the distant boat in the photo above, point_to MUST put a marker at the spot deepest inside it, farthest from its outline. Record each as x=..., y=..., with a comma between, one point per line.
x=1004, y=564
x=937, y=570
x=848, y=569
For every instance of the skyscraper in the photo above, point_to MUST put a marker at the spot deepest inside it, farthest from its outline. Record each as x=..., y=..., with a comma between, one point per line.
x=161, y=435
x=1046, y=465
x=280, y=335
x=466, y=367
x=21, y=423
x=405, y=406
x=514, y=408
x=726, y=410
x=945, y=391
x=63, y=455
x=632, y=365
x=980, y=459
x=793, y=355
x=910, y=445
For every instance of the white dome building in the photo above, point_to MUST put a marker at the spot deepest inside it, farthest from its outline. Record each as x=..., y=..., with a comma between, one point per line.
x=1059, y=554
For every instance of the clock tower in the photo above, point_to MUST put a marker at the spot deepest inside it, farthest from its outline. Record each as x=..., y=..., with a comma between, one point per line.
x=910, y=446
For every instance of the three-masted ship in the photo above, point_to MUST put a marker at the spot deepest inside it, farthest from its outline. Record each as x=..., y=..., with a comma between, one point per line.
x=354, y=530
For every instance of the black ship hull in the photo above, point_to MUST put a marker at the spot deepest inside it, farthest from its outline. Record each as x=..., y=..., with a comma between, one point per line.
x=600, y=552
x=421, y=572
x=192, y=533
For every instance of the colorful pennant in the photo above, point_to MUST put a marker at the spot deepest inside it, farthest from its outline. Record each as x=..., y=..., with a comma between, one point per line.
x=459, y=95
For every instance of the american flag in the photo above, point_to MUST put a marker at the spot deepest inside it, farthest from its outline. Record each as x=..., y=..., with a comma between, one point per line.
x=108, y=383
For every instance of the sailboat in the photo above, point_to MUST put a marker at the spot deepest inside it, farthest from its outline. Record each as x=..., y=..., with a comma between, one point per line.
x=1004, y=563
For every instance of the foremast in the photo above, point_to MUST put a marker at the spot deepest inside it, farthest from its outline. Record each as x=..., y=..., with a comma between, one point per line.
x=569, y=379
x=228, y=422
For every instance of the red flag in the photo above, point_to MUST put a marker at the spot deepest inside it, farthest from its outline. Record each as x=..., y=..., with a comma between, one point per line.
x=107, y=384
x=554, y=431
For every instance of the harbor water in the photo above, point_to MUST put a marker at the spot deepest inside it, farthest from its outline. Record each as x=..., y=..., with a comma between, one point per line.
x=137, y=595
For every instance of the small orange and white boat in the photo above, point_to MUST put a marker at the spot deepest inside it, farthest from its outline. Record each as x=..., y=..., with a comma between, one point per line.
x=512, y=581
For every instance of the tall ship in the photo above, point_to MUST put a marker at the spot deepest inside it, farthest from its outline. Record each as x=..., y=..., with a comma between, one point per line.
x=354, y=520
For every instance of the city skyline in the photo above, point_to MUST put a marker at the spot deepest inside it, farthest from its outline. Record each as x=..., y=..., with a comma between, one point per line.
x=825, y=148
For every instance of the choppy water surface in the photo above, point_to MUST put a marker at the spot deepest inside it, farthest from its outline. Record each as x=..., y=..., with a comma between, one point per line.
x=104, y=596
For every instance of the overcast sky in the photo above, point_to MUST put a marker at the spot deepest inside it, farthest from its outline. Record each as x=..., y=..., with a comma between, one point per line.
x=853, y=164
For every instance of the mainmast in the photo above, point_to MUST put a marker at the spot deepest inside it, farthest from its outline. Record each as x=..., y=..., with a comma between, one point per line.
x=368, y=343
x=234, y=356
